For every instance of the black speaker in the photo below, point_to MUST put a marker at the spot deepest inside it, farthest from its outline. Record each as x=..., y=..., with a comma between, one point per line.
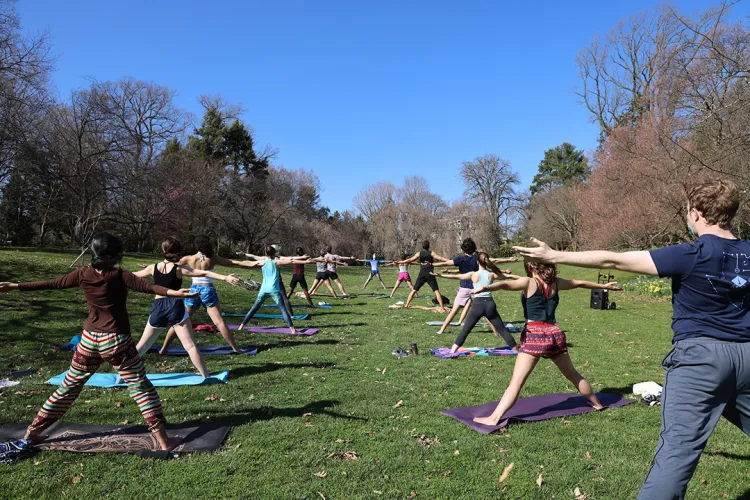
x=599, y=299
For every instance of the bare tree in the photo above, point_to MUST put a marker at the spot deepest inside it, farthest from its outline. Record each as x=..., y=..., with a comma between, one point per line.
x=372, y=199
x=490, y=180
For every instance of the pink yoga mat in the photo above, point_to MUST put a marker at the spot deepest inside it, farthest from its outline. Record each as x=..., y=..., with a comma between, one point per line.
x=264, y=329
x=534, y=409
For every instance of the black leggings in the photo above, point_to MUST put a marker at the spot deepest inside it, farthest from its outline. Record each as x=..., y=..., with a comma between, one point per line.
x=484, y=307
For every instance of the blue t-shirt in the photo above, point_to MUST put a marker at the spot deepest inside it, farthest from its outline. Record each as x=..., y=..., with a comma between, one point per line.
x=710, y=287
x=374, y=264
x=466, y=264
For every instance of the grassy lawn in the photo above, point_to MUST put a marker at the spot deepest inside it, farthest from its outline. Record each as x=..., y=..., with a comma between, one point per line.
x=300, y=400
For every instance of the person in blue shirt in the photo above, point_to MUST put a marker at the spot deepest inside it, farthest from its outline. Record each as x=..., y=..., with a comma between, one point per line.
x=374, y=270
x=708, y=368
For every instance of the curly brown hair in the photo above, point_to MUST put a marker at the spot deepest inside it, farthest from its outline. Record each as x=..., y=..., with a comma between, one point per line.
x=547, y=272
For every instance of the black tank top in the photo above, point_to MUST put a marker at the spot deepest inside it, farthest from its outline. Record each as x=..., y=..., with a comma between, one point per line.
x=426, y=256
x=167, y=280
x=541, y=307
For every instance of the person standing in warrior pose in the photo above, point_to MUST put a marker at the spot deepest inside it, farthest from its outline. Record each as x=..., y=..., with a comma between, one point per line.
x=426, y=258
x=374, y=271
x=171, y=312
x=205, y=260
x=106, y=335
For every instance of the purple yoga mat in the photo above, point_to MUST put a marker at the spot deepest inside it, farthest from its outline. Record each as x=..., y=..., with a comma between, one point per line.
x=445, y=352
x=263, y=329
x=534, y=409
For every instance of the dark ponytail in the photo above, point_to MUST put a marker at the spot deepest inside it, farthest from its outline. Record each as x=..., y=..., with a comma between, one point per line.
x=107, y=250
x=171, y=249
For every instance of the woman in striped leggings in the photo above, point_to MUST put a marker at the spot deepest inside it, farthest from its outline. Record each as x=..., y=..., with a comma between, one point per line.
x=106, y=335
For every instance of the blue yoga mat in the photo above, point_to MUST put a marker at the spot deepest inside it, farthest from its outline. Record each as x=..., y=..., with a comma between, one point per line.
x=266, y=316
x=158, y=379
x=178, y=350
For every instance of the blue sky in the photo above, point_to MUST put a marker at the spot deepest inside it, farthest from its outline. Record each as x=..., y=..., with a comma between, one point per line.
x=358, y=92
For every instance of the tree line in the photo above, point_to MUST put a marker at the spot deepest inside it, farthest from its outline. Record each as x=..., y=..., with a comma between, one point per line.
x=669, y=92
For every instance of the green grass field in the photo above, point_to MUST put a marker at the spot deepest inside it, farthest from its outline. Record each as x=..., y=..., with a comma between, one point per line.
x=303, y=400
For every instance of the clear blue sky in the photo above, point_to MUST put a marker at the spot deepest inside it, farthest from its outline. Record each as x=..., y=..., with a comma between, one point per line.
x=357, y=92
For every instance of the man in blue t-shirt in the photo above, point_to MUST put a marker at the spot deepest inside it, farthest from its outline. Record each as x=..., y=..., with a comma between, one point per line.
x=708, y=368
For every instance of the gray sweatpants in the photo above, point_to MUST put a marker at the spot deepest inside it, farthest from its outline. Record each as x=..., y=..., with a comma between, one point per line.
x=706, y=378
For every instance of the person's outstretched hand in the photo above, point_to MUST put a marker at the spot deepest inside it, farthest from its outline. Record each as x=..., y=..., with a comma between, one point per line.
x=6, y=287
x=506, y=271
x=613, y=286
x=436, y=274
x=185, y=293
x=540, y=253
x=480, y=290
x=233, y=280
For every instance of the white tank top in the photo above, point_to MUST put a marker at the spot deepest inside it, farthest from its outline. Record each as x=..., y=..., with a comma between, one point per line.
x=203, y=280
x=403, y=269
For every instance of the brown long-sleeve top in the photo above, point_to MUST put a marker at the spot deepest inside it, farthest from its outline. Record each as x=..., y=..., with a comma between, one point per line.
x=106, y=293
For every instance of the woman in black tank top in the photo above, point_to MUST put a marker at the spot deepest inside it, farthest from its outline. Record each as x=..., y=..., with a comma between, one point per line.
x=166, y=311
x=540, y=338
x=425, y=258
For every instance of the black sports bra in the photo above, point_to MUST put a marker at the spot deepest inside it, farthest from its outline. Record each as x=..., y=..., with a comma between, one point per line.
x=168, y=280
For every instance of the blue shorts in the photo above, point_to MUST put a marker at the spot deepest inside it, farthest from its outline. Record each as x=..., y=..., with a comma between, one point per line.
x=208, y=297
x=167, y=312
x=375, y=272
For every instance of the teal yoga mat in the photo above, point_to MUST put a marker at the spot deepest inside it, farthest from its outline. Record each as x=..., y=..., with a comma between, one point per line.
x=266, y=316
x=327, y=306
x=158, y=379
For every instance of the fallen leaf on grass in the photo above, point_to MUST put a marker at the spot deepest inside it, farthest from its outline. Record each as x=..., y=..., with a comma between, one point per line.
x=76, y=480
x=126, y=422
x=412, y=494
x=399, y=404
x=119, y=404
x=212, y=397
x=307, y=414
x=703, y=479
x=566, y=422
x=371, y=433
x=456, y=452
x=377, y=492
x=579, y=495
x=384, y=369
x=322, y=495
x=309, y=424
x=343, y=440
x=447, y=473
x=322, y=474
x=505, y=473
x=588, y=454
x=427, y=442
x=345, y=455
x=539, y=481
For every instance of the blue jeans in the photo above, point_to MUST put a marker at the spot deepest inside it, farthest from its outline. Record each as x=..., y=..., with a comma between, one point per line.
x=706, y=378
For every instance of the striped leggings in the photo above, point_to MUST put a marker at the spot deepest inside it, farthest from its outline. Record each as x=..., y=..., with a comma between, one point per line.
x=94, y=348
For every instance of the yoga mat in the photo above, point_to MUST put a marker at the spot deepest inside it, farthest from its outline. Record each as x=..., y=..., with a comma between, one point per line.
x=265, y=316
x=327, y=306
x=534, y=409
x=263, y=329
x=81, y=438
x=444, y=352
x=178, y=350
x=158, y=379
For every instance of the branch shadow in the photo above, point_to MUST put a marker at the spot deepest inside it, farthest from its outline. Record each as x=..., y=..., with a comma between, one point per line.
x=731, y=456
x=271, y=412
x=247, y=371
x=294, y=343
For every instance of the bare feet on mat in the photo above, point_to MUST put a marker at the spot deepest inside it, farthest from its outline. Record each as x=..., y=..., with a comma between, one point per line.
x=486, y=420
x=596, y=407
x=239, y=329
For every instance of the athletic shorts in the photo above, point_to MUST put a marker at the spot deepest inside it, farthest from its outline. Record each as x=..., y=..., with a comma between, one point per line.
x=463, y=296
x=208, y=297
x=322, y=276
x=298, y=279
x=426, y=278
x=374, y=272
x=332, y=275
x=403, y=277
x=167, y=312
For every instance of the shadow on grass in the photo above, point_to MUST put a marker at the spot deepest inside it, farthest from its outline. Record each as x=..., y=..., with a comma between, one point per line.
x=294, y=343
x=342, y=325
x=731, y=456
x=247, y=371
x=744, y=496
x=271, y=412
x=622, y=391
